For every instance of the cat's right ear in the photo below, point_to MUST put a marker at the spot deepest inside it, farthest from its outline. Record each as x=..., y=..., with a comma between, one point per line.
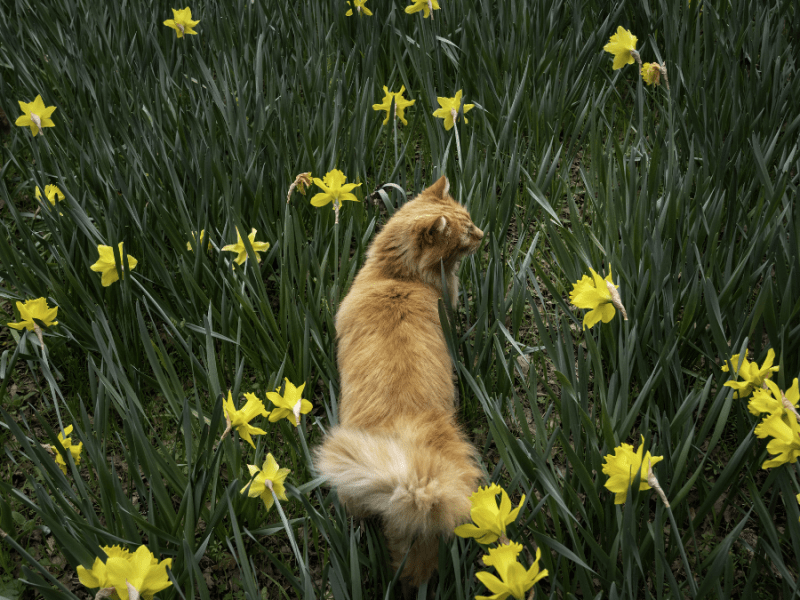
x=440, y=188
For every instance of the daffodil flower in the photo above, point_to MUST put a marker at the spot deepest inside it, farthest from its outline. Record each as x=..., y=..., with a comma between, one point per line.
x=334, y=189
x=449, y=108
x=426, y=6
x=240, y=419
x=622, y=466
x=97, y=576
x=51, y=192
x=773, y=399
x=106, y=265
x=290, y=406
x=302, y=182
x=182, y=22
x=489, y=518
x=400, y=104
x=267, y=479
x=140, y=574
x=35, y=309
x=598, y=294
x=74, y=449
x=360, y=7
x=514, y=578
x=37, y=115
x=623, y=46
x=241, y=251
x=753, y=376
x=785, y=431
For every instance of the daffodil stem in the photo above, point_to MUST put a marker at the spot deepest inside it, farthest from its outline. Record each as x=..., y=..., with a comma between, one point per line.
x=394, y=103
x=454, y=114
x=290, y=534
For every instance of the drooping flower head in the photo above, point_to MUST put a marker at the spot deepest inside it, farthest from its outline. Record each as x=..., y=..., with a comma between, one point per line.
x=752, y=375
x=449, y=108
x=623, y=46
x=773, y=399
x=400, y=104
x=267, y=479
x=240, y=419
x=360, y=7
x=515, y=580
x=35, y=309
x=785, y=431
x=37, y=115
x=97, y=576
x=139, y=574
x=289, y=406
x=651, y=74
x=622, y=466
x=106, y=265
x=422, y=5
x=241, y=251
x=74, y=449
x=598, y=294
x=490, y=520
x=182, y=22
x=51, y=192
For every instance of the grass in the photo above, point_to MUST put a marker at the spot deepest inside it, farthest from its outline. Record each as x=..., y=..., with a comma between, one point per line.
x=688, y=195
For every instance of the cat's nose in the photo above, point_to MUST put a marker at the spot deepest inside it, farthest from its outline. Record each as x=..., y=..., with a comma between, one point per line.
x=478, y=233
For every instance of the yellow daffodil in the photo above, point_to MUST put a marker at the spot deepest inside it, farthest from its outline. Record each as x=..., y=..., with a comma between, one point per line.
x=74, y=449
x=400, y=104
x=267, y=479
x=753, y=375
x=51, y=192
x=623, y=46
x=489, y=518
x=785, y=430
x=334, y=189
x=35, y=309
x=598, y=294
x=622, y=466
x=241, y=251
x=37, y=115
x=106, y=265
x=291, y=405
x=422, y=5
x=360, y=7
x=449, y=109
x=773, y=399
x=240, y=419
x=203, y=240
x=651, y=74
x=139, y=574
x=514, y=579
x=182, y=22
x=97, y=576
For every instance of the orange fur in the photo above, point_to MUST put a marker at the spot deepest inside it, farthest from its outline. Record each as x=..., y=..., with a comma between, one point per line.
x=398, y=451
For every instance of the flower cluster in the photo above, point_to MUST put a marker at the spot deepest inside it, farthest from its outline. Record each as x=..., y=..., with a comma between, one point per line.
x=489, y=526
x=130, y=575
x=622, y=45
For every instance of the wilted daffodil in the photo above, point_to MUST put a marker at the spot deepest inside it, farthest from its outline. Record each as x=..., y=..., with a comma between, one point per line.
x=622, y=466
x=203, y=240
x=106, y=265
x=785, y=430
x=753, y=376
x=241, y=251
x=138, y=575
x=623, y=46
x=37, y=115
x=360, y=7
x=651, y=74
x=74, y=449
x=598, y=294
x=773, y=399
x=426, y=6
x=489, y=518
x=51, y=192
x=449, y=110
x=182, y=22
x=400, y=104
x=268, y=478
x=290, y=406
x=514, y=579
x=240, y=419
x=97, y=576
x=35, y=309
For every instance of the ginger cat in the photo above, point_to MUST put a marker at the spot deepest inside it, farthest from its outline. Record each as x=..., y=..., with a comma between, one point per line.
x=398, y=452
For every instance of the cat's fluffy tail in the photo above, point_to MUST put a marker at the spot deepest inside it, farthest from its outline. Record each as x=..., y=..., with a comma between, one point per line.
x=418, y=480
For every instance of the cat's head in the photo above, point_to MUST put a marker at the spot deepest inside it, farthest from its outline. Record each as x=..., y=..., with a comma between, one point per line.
x=429, y=230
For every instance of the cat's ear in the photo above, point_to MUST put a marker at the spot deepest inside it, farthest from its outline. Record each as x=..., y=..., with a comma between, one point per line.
x=440, y=188
x=434, y=229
